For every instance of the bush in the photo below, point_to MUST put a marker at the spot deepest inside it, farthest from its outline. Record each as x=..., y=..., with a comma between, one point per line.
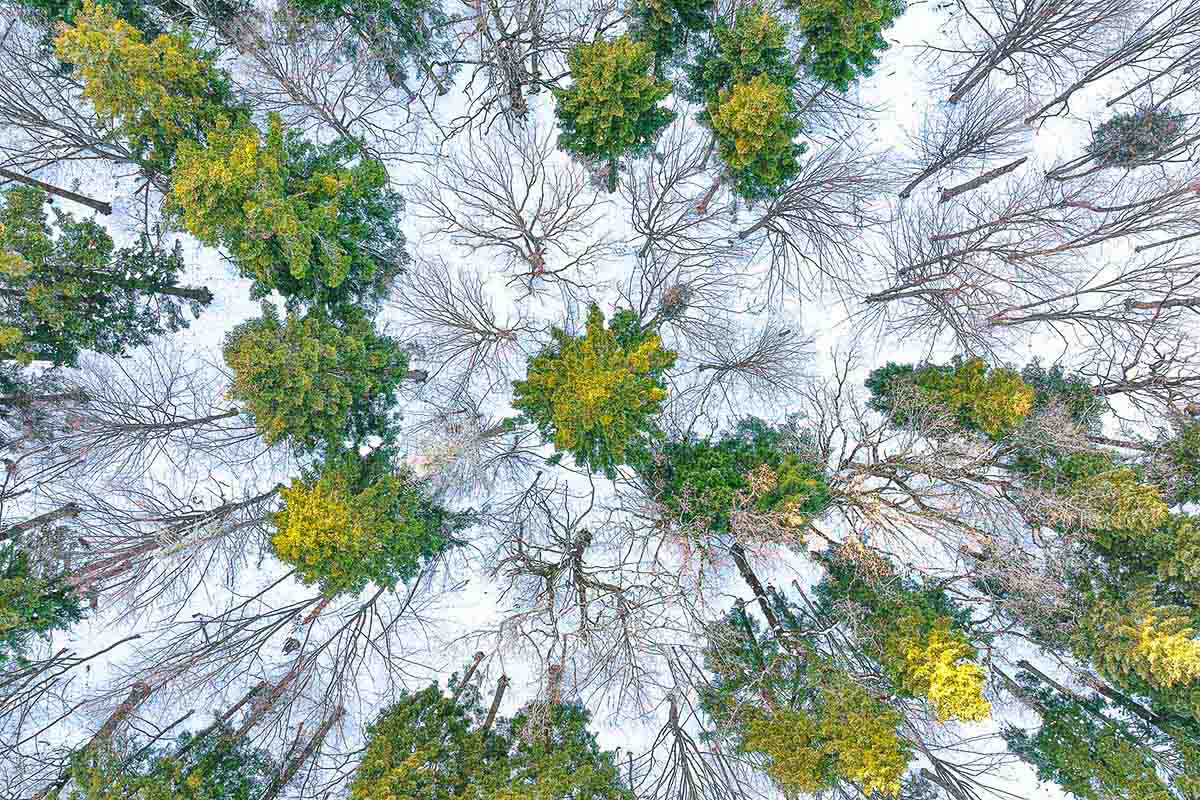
x=1136, y=136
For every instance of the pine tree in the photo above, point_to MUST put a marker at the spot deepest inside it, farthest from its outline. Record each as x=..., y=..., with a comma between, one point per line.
x=1131, y=138
x=990, y=400
x=611, y=108
x=745, y=77
x=702, y=481
x=154, y=94
x=596, y=395
x=666, y=24
x=73, y=291
x=843, y=39
x=359, y=520
x=312, y=223
x=30, y=604
x=312, y=381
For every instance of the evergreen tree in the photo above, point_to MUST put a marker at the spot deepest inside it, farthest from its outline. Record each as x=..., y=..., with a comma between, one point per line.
x=611, y=108
x=990, y=400
x=1132, y=138
x=71, y=292
x=312, y=223
x=154, y=94
x=844, y=37
x=555, y=757
x=358, y=520
x=745, y=77
x=596, y=395
x=703, y=480
x=666, y=24
x=30, y=604
x=313, y=381
x=399, y=33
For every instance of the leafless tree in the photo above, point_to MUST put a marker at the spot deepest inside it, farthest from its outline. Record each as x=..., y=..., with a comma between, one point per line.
x=1033, y=41
x=766, y=362
x=986, y=127
x=512, y=195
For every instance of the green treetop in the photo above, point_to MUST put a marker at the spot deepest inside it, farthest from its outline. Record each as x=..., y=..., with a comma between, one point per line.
x=665, y=25
x=75, y=291
x=30, y=604
x=611, y=107
x=310, y=222
x=154, y=94
x=596, y=395
x=991, y=400
x=844, y=37
x=703, y=481
x=359, y=520
x=756, y=44
x=313, y=381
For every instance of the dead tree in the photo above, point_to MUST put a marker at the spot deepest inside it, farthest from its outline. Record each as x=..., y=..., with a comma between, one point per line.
x=986, y=127
x=512, y=195
x=1036, y=41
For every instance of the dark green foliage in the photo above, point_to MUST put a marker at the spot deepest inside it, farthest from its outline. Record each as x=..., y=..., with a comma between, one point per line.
x=1054, y=387
x=556, y=756
x=401, y=34
x=700, y=479
x=666, y=25
x=30, y=605
x=151, y=18
x=1093, y=751
x=75, y=291
x=1181, y=457
x=756, y=44
x=844, y=37
x=1132, y=137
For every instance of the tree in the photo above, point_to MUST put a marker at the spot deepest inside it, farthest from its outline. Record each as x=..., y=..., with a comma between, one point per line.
x=990, y=400
x=665, y=25
x=74, y=291
x=312, y=381
x=398, y=34
x=611, y=108
x=30, y=604
x=154, y=94
x=745, y=77
x=1131, y=138
x=308, y=221
x=358, y=520
x=555, y=757
x=705, y=481
x=843, y=39
x=595, y=395
x=755, y=129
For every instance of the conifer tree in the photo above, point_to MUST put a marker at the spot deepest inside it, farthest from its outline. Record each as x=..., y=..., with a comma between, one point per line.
x=611, y=108
x=666, y=24
x=358, y=520
x=30, y=604
x=318, y=224
x=312, y=381
x=70, y=290
x=843, y=39
x=154, y=93
x=595, y=395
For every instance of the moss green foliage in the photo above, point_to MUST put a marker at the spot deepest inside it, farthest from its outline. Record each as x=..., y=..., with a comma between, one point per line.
x=917, y=636
x=210, y=765
x=745, y=76
x=843, y=38
x=1090, y=748
x=611, y=109
x=788, y=702
x=665, y=25
x=318, y=224
x=596, y=395
x=1054, y=387
x=30, y=604
x=154, y=93
x=1180, y=461
x=70, y=289
x=402, y=35
x=428, y=746
x=359, y=520
x=313, y=381
x=990, y=400
x=1138, y=136
x=702, y=480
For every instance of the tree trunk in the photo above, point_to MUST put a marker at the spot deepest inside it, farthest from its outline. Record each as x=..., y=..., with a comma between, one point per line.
x=985, y=178
x=501, y=685
x=68, y=511
x=97, y=205
x=760, y=594
x=294, y=765
x=466, y=678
